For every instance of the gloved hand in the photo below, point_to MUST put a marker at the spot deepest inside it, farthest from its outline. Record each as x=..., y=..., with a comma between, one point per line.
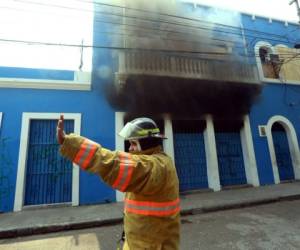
x=60, y=133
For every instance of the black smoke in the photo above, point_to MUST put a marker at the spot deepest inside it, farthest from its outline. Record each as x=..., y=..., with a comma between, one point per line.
x=180, y=96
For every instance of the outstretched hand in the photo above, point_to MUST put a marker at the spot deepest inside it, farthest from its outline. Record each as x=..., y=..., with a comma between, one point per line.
x=60, y=133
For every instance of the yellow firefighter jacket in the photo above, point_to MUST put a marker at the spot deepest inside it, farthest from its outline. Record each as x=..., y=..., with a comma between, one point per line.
x=151, y=205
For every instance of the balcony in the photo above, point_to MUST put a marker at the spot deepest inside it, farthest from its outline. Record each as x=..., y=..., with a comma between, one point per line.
x=178, y=66
x=183, y=84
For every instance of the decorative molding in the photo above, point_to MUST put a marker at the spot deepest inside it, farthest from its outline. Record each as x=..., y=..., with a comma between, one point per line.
x=43, y=84
x=0, y=119
x=276, y=81
x=21, y=171
x=253, y=16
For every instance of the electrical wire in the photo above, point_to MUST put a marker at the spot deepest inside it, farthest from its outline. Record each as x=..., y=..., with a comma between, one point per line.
x=170, y=31
x=143, y=28
x=231, y=30
x=153, y=20
x=176, y=16
x=74, y=45
x=161, y=38
x=110, y=47
x=135, y=49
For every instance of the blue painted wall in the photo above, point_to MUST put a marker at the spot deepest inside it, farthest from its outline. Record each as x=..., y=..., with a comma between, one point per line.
x=97, y=124
x=276, y=99
x=14, y=72
x=98, y=121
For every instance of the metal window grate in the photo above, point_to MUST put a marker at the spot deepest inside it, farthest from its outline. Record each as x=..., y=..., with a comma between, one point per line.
x=283, y=156
x=190, y=158
x=48, y=175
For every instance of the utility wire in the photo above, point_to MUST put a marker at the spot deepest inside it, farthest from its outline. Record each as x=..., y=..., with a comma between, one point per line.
x=175, y=16
x=108, y=47
x=153, y=20
x=187, y=41
x=131, y=49
x=153, y=35
x=175, y=32
x=138, y=27
x=142, y=28
x=122, y=16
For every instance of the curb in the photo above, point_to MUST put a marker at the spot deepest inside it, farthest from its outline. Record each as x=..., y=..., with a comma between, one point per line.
x=13, y=233
x=194, y=211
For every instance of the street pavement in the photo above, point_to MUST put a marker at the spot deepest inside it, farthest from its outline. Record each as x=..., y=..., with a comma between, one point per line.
x=273, y=226
x=46, y=220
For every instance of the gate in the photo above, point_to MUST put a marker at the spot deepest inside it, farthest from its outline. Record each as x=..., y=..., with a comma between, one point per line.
x=48, y=175
x=230, y=159
x=190, y=159
x=283, y=157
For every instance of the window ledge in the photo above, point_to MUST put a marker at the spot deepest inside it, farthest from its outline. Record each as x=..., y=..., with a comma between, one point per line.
x=276, y=81
x=81, y=81
x=44, y=84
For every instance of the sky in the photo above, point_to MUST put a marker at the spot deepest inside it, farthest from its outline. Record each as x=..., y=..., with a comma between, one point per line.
x=279, y=9
x=40, y=20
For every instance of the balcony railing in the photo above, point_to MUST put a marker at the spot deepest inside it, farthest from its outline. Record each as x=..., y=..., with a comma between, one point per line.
x=145, y=63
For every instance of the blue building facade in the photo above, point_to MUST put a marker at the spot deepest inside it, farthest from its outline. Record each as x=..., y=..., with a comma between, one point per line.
x=280, y=94
x=215, y=142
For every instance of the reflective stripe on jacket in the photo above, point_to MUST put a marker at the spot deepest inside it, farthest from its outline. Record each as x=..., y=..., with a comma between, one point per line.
x=150, y=181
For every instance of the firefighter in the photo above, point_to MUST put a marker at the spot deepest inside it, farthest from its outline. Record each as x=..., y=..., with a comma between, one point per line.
x=146, y=174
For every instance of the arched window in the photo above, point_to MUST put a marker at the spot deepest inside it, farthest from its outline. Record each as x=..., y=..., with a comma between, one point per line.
x=269, y=63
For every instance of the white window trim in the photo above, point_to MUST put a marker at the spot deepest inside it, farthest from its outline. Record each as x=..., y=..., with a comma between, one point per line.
x=0, y=119
x=293, y=145
x=82, y=81
x=21, y=172
x=260, y=44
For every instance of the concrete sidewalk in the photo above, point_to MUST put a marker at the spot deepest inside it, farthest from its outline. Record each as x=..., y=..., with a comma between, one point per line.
x=48, y=220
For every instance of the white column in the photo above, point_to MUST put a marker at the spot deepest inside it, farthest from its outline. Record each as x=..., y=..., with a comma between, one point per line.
x=169, y=143
x=248, y=153
x=211, y=155
x=0, y=119
x=21, y=173
x=119, y=141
